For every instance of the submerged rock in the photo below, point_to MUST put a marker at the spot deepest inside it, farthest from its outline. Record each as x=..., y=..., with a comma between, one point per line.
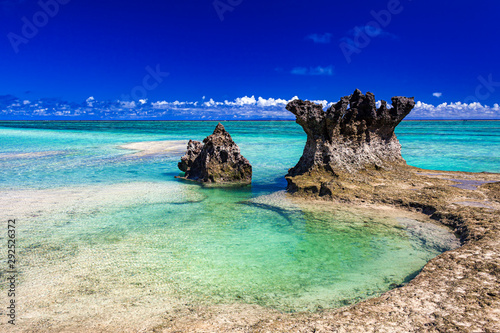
x=216, y=160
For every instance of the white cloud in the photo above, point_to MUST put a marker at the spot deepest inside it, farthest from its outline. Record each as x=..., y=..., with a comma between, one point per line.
x=321, y=70
x=174, y=104
x=128, y=105
x=457, y=110
x=246, y=107
x=325, y=103
x=242, y=101
x=160, y=105
x=437, y=94
x=366, y=31
x=90, y=101
x=143, y=101
x=252, y=101
x=262, y=102
x=211, y=103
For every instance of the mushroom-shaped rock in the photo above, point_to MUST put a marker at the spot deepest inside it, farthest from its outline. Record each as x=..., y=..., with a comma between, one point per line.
x=216, y=160
x=351, y=135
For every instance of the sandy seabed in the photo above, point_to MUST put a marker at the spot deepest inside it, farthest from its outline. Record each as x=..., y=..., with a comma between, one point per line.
x=155, y=148
x=64, y=288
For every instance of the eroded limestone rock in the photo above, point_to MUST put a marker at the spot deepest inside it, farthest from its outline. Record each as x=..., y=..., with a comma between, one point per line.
x=350, y=135
x=216, y=160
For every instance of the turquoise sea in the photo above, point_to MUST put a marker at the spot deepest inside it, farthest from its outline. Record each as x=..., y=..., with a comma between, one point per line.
x=86, y=152
x=104, y=223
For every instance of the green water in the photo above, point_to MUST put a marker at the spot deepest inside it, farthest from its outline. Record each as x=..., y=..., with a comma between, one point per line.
x=136, y=228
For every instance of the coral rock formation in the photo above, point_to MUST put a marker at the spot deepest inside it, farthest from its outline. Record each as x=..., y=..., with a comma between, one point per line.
x=216, y=160
x=351, y=135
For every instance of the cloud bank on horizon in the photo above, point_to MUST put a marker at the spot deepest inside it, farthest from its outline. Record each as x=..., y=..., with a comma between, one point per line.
x=241, y=108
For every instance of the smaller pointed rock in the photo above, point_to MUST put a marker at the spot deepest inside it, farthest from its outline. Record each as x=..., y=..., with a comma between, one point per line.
x=216, y=160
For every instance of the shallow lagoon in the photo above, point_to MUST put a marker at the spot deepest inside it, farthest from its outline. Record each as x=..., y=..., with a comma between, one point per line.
x=97, y=225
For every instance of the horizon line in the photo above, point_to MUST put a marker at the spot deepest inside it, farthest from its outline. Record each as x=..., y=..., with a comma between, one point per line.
x=210, y=120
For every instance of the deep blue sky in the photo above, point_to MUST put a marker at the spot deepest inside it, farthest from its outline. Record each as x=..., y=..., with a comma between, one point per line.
x=261, y=48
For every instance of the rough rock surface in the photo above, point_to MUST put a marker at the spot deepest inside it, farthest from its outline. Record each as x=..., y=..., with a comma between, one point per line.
x=216, y=160
x=193, y=150
x=351, y=135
